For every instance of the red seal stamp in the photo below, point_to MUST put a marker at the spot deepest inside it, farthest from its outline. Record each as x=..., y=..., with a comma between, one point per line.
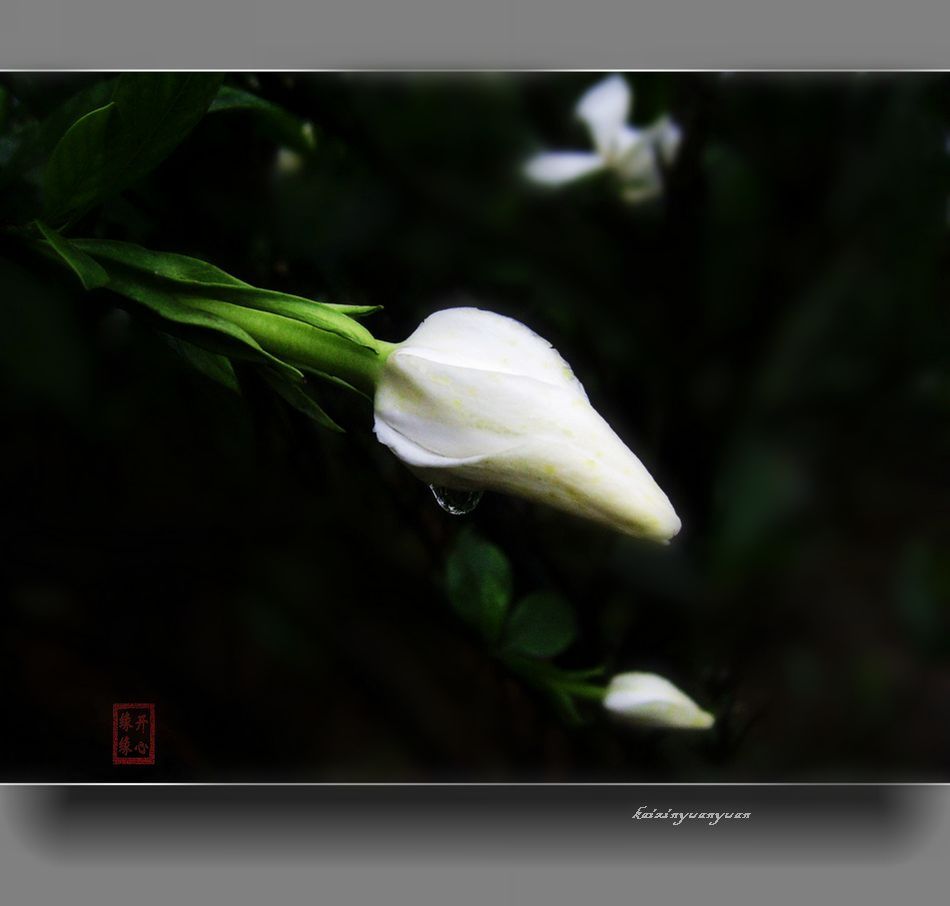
x=133, y=734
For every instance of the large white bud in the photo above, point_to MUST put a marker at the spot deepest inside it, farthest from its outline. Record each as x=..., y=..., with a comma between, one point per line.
x=477, y=401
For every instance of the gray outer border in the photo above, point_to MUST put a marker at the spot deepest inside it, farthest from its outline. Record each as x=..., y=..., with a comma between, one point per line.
x=551, y=845
x=599, y=34
x=461, y=845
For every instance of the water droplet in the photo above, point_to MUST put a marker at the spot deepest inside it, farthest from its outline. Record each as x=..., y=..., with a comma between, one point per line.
x=458, y=503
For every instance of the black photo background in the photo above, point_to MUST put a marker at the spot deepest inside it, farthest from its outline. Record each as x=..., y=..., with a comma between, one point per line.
x=771, y=337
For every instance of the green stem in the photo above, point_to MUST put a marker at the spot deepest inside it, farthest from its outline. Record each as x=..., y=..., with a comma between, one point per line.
x=308, y=347
x=583, y=690
x=548, y=677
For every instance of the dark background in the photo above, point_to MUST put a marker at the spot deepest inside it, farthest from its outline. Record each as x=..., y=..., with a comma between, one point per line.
x=770, y=337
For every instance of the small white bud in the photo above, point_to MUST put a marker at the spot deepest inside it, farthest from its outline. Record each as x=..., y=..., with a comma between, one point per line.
x=651, y=700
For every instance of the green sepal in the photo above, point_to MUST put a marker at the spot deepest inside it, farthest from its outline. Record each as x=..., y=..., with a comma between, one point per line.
x=336, y=381
x=218, y=284
x=353, y=311
x=182, y=310
x=214, y=365
x=295, y=394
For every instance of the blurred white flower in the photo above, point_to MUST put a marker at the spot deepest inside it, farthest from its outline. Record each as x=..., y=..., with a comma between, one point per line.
x=633, y=154
x=651, y=700
x=477, y=401
x=288, y=162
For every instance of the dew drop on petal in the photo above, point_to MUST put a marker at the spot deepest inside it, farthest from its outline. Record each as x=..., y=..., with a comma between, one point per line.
x=458, y=503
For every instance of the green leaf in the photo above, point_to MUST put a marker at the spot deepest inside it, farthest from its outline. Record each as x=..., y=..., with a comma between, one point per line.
x=167, y=265
x=478, y=581
x=216, y=283
x=542, y=625
x=116, y=144
x=154, y=112
x=89, y=271
x=282, y=125
x=37, y=140
x=211, y=364
x=77, y=170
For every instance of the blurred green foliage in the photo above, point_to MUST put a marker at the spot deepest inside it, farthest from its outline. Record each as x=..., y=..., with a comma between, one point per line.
x=771, y=337
x=479, y=582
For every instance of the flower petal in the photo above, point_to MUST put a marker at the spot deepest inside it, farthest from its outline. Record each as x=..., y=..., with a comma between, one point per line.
x=474, y=338
x=559, y=167
x=605, y=108
x=667, y=136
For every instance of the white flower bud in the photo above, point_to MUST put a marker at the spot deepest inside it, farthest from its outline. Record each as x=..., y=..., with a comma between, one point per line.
x=651, y=700
x=476, y=401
